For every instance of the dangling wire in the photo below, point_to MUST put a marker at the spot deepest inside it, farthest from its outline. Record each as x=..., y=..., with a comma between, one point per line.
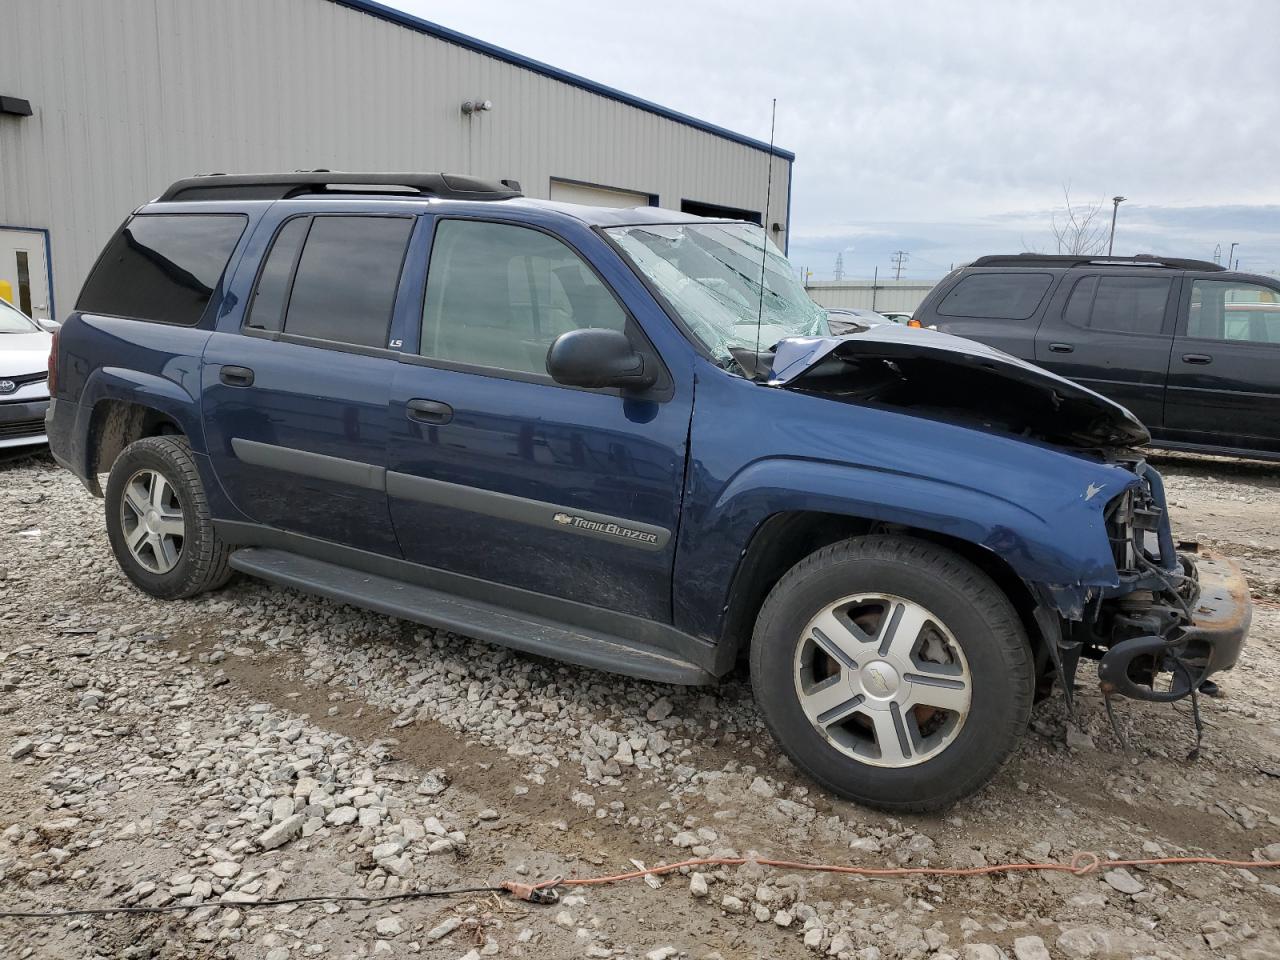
x=1199, y=724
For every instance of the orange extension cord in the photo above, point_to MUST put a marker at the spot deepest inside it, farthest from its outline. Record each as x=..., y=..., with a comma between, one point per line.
x=1082, y=864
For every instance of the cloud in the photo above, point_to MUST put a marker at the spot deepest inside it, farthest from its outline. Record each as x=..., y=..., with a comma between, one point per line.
x=951, y=126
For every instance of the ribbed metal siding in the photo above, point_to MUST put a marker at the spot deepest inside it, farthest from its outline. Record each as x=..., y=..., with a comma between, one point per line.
x=133, y=94
x=888, y=294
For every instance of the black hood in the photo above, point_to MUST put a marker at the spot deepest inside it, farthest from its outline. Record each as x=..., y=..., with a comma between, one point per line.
x=949, y=378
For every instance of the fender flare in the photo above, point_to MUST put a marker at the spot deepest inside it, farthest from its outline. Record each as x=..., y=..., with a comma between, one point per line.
x=139, y=389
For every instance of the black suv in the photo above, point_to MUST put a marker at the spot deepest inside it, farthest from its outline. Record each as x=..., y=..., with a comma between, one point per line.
x=1192, y=349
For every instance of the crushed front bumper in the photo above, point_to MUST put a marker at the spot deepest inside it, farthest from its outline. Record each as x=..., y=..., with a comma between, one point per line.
x=1153, y=638
x=1222, y=614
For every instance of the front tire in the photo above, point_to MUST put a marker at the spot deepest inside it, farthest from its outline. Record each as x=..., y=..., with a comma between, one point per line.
x=158, y=521
x=893, y=672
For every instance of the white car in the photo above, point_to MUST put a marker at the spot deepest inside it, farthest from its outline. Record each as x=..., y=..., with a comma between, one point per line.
x=24, y=379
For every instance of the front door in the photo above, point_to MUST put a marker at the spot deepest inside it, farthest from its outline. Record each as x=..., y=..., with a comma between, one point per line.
x=24, y=272
x=1224, y=375
x=1112, y=332
x=295, y=392
x=498, y=473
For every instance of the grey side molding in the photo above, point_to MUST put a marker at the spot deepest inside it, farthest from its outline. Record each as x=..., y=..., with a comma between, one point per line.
x=367, y=476
x=537, y=513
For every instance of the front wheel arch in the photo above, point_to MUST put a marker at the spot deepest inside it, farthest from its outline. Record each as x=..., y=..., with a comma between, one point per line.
x=784, y=539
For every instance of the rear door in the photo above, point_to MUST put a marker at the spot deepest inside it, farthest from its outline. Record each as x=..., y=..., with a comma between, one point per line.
x=1112, y=331
x=296, y=386
x=1224, y=375
x=495, y=471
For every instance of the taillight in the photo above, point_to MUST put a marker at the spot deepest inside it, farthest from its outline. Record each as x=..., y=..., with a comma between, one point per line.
x=53, y=362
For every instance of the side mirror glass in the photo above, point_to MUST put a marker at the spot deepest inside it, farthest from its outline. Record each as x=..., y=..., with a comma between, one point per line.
x=595, y=357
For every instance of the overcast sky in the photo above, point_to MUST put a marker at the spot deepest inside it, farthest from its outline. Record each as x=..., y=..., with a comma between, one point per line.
x=948, y=129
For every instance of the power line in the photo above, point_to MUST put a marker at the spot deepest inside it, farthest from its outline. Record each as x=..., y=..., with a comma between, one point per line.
x=899, y=258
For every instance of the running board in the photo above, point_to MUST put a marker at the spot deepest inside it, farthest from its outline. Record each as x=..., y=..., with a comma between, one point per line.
x=473, y=618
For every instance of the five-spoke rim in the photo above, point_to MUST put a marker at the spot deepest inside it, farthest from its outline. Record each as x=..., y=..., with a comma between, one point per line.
x=883, y=680
x=152, y=521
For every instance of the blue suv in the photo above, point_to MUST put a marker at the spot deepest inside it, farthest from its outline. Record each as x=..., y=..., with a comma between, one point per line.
x=625, y=439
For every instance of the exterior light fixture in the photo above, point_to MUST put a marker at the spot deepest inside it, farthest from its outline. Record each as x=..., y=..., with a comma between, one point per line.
x=470, y=107
x=15, y=106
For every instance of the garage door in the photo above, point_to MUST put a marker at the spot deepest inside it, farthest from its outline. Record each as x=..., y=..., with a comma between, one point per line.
x=570, y=192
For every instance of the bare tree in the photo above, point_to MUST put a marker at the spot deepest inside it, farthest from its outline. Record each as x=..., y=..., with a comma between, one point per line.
x=1081, y=230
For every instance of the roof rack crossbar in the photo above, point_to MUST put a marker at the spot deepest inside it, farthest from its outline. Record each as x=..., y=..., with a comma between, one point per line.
x=1075, y=260
x=282, y=186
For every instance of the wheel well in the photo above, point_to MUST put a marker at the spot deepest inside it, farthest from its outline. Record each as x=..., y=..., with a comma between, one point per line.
x=785, y=539
x=118, y=423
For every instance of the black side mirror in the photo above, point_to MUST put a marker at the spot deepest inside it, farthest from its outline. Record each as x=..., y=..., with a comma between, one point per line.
x=595, y=357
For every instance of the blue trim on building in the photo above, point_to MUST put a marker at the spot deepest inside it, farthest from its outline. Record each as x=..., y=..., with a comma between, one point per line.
x=48, y=260
x=383, y=12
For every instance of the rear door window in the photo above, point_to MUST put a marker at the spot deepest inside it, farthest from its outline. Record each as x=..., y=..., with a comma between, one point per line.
x=163, y=267
x=996, y=296
x=266, y=310
x=1119, y=304
x=344, y=285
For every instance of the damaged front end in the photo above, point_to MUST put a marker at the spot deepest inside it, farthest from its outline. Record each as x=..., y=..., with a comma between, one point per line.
x=1176, y=617
x=1170, y=617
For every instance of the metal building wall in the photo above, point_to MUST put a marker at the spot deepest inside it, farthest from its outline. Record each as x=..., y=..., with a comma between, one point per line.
x=904, y=295
x=130, y=95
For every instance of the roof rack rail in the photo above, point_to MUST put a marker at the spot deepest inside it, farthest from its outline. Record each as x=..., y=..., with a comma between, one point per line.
x=282, y=186
x=1075, y=260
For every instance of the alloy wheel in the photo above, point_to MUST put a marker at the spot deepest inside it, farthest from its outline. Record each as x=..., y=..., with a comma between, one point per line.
x=883, y=680
x=152, y=521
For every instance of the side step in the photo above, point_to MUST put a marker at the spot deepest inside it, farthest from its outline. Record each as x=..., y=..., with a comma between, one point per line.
x=472, y=618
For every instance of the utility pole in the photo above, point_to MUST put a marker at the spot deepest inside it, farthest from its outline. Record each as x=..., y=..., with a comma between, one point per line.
x=875, y=285
x=899, y=258
x=1230, y=255
x=840, y=265
x=1115, y=208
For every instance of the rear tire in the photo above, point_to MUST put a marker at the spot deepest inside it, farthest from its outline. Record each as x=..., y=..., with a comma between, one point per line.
x=893, y=672
x=158, y=521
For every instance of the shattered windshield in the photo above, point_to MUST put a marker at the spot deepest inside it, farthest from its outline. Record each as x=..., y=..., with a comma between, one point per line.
x=710, y=272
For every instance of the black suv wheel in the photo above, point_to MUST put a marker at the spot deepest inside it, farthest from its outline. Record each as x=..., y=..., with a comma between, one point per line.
x=893, y=672
x=158, y=520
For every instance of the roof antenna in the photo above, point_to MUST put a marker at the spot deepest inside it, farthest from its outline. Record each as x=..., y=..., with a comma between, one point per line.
x=764, y=236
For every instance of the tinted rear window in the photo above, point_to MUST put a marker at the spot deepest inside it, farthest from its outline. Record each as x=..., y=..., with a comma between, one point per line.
x=266, y=310
x=998, y=296
x=1120, y=304
x=163, y=267
x=345, y=283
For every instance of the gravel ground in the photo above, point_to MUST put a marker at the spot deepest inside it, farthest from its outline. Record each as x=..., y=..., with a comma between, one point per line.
x=257, y=743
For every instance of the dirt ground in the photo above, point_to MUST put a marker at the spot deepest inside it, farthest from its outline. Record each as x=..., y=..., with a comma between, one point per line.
x=256, y=743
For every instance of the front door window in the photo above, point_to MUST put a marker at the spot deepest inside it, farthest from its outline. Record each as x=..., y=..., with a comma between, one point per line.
x=1231, y=310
